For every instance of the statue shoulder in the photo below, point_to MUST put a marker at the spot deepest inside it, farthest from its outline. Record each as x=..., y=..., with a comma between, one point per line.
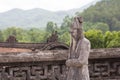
x=85, y=40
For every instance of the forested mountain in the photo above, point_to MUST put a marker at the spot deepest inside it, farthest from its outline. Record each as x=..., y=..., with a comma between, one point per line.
x=35, y=17
x=27, y=18
x=106, y=12
x=31, y=18
x=101, y=25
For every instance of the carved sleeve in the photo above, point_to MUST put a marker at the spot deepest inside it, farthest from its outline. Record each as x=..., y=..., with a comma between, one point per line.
x=83, y=56
x=84, y=52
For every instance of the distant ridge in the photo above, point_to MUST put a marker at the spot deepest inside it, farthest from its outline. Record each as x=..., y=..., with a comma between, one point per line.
x=35, y=17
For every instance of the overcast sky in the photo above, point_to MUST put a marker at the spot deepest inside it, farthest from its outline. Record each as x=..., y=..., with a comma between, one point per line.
x=52, y=5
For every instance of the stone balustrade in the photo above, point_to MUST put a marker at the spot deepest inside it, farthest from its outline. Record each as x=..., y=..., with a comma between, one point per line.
x=104, y=64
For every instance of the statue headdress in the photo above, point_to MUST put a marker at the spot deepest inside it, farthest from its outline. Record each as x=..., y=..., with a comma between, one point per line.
x=77, y=24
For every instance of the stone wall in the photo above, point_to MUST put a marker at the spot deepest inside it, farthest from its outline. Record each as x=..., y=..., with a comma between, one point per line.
x=104, y=64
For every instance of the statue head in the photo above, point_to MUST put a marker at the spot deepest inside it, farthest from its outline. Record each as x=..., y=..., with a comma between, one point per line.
x=76, y=28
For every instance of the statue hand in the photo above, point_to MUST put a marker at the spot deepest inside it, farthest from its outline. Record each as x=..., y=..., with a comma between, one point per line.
x=68, y=62
x=73, y=63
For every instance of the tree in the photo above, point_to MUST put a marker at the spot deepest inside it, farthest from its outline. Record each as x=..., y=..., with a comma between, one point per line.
x=115, y=42
x=105, y=11
x=66, y=24
x=15, y=31
x=1, y=36
x=65, y=38
x=101, y=26
x=107, y=38
x=96, y=38
x=87, y=26
x=50, y=27
x=36, y=35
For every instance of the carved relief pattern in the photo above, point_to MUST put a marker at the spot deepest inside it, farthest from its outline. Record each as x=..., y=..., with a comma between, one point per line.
x=45, y=72
x=105, y=69
x=99, y=70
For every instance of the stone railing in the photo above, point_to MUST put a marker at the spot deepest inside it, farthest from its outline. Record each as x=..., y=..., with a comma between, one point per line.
x=104, y=64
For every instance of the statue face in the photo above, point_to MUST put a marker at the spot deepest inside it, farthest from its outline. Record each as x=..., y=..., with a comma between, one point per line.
x=73, y=32
x=76, y=28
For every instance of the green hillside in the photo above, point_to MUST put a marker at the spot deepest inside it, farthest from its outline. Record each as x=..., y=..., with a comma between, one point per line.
x=36, y=17
x=27, y=18
x=106, y=12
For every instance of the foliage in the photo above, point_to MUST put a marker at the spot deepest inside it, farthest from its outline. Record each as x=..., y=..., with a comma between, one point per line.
x=35, y=35
x=17, y=32
x=87, y=26
x=108, y=37
x=96, y=38
x=50, y=27
x=115, y=40
x=1, y=36
x=65, y=38
x=105, y=11
x=66, y=24
x=31, y=35
x=101, y=26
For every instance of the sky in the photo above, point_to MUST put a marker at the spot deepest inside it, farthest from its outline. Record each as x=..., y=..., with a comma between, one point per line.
x=52, y=5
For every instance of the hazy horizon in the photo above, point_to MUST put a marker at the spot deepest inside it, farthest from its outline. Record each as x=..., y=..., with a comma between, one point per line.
x=53, y=5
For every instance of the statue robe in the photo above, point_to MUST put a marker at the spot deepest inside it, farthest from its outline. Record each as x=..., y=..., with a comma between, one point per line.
x=78, y=61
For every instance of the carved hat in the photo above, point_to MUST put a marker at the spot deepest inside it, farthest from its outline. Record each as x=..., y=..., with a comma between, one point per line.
x=77, y=23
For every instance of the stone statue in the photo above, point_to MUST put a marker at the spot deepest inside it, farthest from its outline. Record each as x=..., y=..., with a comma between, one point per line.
x=53, y=37
x=11, y=39
x=79, y=52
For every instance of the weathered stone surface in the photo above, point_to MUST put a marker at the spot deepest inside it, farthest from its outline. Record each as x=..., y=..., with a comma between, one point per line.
x=77, y=61
x=104, y=64
x=56, y=55
x=105, y=53
x=40, y=46
x=52, y=43
x=104, y=69
x=53, y=37
x=33, y=71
